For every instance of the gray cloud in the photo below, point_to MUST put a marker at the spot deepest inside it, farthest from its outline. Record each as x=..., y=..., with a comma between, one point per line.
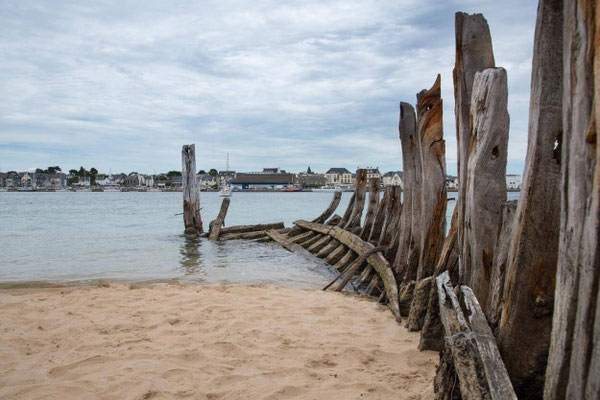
x=123, y=85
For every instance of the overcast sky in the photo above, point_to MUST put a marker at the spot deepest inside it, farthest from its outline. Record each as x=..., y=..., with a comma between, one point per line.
x=121, y=85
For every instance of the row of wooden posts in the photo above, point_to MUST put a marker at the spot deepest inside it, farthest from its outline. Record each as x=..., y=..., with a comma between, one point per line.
x=509, y=295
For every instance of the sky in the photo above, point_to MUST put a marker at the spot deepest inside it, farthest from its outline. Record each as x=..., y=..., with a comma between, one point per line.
x=122, y=85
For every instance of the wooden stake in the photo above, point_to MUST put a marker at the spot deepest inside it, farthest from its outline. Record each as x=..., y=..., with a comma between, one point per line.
x=192, y=220
x=215, y=226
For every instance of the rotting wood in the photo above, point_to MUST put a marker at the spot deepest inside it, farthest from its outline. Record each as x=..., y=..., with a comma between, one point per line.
x=418, y=306
x=282, y=240
x=373, y=285
x=357, y=245
x=475, y=356
x=498, y=278
x=371, y=209
x=433, y=165
x=336, y=255
x=432, y=337
x=486, y=179
x=345, y=261
x=574, y=358
x=411, y=163
x=474, y=53
x=303, y=237
x=379, y=218
x=524, y=330
x=216, y=225
x=251, y=228
x=248, y=235
x=192, y=220
x=349, y=272
x=405, y=297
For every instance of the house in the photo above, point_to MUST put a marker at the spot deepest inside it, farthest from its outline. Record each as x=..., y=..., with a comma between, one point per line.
x=148, y=180
x=339, y=176
x=451, y=182
x=310, y=180
x=373, y=173
x=26, y=180
x=393, y=178
x=513, y=182
x=262, y=181
x=3, y=176
x=224, y=177
x=51, y=181
x=206, y=180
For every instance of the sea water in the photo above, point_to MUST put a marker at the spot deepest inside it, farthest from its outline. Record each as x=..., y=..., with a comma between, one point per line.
x=83, y=237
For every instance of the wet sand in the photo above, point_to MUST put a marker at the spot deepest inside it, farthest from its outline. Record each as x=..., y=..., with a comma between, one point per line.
x=205, y=342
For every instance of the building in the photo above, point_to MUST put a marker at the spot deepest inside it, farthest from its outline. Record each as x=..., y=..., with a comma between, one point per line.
x=373, y=173
x=310, y=180
x=339, y=176
x=206, y=181
x=273, y=171
x=451, y=182
x=393, y=178
x=51, y=181
x=513, y=182
x=225, y=177
x=264, y=181
x=26, y=180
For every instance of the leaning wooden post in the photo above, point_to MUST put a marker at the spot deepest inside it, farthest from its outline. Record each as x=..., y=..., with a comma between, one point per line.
x=574, y=358
x=215, y=226
x=191, y=193
x=433, y=164
x=524, y=329
x=485, y=190
x=473, y=54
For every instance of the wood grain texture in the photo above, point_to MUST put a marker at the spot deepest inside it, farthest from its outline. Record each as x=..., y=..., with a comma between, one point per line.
x=192, y=220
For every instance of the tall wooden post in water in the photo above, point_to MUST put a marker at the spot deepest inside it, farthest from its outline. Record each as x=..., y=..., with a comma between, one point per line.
x=191, y=193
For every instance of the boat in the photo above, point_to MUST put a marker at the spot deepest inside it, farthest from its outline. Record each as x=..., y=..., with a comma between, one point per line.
x=225, y=190
x=328, y=189
x=291, y=188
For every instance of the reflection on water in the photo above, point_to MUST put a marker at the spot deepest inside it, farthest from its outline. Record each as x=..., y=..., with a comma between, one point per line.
x=191, y=260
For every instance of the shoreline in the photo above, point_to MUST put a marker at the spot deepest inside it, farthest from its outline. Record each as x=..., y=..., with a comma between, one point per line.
x=206, y=341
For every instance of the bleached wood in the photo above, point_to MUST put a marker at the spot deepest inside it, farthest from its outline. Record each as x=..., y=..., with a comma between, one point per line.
x=217, y=224
x=192, y=220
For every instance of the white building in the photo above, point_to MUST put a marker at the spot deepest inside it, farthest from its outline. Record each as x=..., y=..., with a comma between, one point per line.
x=339, y=176
x=373, y=173
x=393, y=178
x=513, y=182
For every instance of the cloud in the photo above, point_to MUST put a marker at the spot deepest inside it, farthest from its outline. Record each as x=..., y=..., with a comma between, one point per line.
x=122, y=85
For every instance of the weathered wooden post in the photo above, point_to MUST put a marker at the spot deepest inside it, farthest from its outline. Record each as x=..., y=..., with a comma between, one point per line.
x=215, y=226
x=574, y=358
x=473, y=54
x=409, y=249
x=524, y=329
x=433, y=164
x=485, y=190
x=191, y=193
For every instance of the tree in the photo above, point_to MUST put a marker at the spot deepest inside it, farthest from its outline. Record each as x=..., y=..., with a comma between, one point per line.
x=82, y=171
x=201, y=172
x=73, y=172
x=161, y=177
x=39, y=171
x=213, y=172
x=72, y=180
x=171, y=174
x=93, y=171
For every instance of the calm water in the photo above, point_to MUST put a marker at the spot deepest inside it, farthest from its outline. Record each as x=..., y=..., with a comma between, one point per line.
x=83, y=237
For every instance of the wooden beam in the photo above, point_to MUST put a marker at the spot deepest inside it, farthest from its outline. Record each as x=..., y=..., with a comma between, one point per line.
x=251, y=228
x=357, y=245
x=215, y=226
x=282, y=240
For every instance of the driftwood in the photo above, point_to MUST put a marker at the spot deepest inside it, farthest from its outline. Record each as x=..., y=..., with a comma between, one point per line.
x=405, y=267
x=349, y=272
x=282, y=240
x=473, y=54
x=433, y=199
x=249, y=235
x=379, y=219
x=405, y=297
x=192, y=220
x=251, y=228
x=486, y=179
x=357, y=245
x=498, y=278
x=524, y=330
x=216, y=225
x=475, y=356
x=418, y=306
x=574, y=358
x=371, y=209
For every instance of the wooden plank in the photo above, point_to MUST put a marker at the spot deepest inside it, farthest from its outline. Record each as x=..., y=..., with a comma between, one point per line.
x=360, y=247
x=251, y=228
x=486, y=179
x=217, y=224
x=371, y=208
x=192, y=220
x=282, y=240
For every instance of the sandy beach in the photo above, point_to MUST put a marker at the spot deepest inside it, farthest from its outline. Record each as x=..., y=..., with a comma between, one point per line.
x=205, y=342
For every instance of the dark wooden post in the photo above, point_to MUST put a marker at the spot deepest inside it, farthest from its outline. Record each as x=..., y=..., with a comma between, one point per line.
x=215, y=226
x=524, y=330
x=574, y=358
x=191, y=193
x=473, y=54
